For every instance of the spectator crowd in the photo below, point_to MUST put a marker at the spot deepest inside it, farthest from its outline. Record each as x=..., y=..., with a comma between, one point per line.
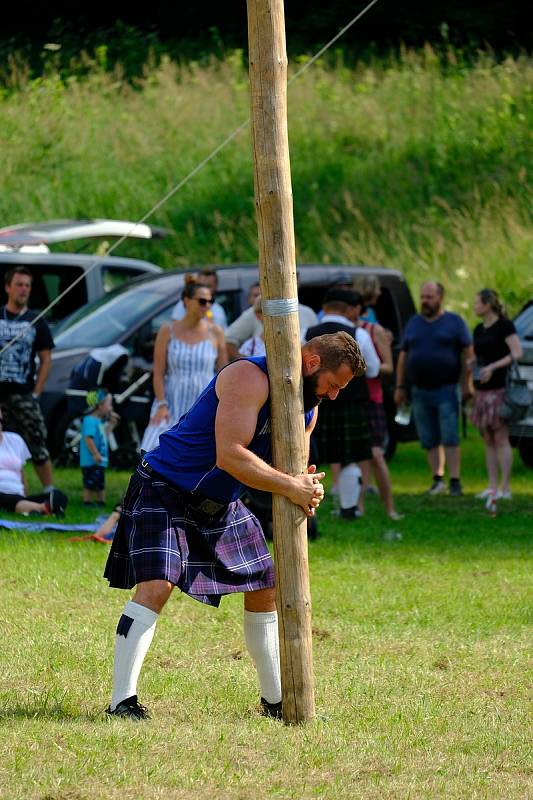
x=441, y=364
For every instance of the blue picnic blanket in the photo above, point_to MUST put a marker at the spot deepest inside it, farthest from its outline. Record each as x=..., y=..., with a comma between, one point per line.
x=38, y=527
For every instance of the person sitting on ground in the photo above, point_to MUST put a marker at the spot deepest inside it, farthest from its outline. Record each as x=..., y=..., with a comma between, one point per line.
x=99, y=421
x=13, y=488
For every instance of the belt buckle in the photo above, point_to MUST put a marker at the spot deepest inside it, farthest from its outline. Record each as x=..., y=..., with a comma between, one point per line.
x=209, y=507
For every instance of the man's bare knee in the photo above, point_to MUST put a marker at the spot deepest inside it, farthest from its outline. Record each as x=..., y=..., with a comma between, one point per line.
x=153, y=594
x=262, y=600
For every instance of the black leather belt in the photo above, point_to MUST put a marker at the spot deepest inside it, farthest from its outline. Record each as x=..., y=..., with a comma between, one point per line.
x=195, y=500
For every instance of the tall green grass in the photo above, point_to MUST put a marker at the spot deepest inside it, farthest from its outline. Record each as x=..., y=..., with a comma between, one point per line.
x=417, y=163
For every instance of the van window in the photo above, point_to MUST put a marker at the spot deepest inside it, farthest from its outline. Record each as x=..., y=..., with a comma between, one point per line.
x=116, y=276
x=49, y=281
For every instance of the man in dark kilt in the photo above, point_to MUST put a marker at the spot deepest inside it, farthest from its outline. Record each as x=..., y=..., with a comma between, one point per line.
x=183, y=524
x=342, y=435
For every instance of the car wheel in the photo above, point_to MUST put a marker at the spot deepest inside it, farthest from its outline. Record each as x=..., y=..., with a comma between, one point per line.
x=525, y=448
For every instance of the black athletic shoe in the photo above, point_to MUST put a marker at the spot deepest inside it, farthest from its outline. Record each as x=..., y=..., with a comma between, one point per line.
x=271, y=709
x=456, y=490
x=350, y=513
x=58, y=502
x=129, y=708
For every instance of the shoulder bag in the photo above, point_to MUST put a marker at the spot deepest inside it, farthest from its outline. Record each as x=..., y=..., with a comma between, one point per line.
x=517, y=397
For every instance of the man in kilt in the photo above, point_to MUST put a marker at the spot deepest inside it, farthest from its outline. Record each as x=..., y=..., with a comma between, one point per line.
x=183, y=524
x=342, y=436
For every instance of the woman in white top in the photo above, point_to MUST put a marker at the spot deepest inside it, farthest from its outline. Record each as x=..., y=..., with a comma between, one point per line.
x=13, y=455
x=187, y=353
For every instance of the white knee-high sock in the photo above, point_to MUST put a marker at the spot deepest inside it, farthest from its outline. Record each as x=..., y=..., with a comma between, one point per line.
x=261, y=635
x=135, y=632
x=349, y=486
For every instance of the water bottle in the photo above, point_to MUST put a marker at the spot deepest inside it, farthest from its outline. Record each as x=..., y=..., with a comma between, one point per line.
x=403, y=415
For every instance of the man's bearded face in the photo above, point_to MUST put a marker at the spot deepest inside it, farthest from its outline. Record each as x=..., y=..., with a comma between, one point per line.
x=310, y=385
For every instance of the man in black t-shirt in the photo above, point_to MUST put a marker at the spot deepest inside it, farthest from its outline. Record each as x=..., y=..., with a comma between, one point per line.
x=20, y=383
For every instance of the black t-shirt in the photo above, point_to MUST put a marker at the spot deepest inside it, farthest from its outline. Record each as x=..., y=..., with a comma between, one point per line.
x=17, y=363
x=490, y=346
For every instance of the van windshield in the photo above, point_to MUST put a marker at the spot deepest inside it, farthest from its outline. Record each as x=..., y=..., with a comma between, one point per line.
x=106, y=320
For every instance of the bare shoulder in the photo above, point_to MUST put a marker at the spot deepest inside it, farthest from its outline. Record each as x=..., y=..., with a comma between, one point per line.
x=216, y=331
x=243, y=381
x=165, y=330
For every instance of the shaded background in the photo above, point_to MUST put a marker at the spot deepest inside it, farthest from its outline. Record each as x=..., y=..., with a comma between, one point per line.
x=193, y=30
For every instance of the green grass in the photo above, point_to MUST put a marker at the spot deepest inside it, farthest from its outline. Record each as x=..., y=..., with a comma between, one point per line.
x=419, y=163
x=421, y=650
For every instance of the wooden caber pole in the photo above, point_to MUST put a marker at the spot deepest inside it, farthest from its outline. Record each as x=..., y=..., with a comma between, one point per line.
x=277, y=272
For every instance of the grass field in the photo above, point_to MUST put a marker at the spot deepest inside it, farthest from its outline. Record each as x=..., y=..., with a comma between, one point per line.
x=422, y=665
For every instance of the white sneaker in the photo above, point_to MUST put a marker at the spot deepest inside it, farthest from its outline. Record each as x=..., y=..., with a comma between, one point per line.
x=396, y=516
x=437, y=487
x=504, y=495
x=484, y=494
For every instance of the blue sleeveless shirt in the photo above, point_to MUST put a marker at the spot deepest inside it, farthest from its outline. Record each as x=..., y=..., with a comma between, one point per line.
x=186, y=455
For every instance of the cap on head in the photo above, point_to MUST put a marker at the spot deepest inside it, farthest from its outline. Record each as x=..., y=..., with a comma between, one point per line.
x=94, y=398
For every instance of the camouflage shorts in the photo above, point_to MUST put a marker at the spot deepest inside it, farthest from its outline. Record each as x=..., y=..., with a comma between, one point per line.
x=22, y=414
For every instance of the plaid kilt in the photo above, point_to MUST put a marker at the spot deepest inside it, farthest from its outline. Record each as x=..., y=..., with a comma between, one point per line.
x=377, y=422
x=342, y=433
x=160, y=538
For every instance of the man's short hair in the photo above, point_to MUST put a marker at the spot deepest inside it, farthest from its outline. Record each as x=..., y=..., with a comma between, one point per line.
x=336, y=349
x=19, y=270
x=208, y=272
x=438, y=285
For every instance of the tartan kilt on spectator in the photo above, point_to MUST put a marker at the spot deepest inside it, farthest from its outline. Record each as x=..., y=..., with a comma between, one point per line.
x=377, y=422
x=160, y=538
x=342, y=432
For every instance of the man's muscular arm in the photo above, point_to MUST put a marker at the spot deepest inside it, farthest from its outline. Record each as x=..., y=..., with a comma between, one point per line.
x=242, y=389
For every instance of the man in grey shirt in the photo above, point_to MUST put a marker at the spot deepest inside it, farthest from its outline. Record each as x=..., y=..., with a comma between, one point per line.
x=247, y=324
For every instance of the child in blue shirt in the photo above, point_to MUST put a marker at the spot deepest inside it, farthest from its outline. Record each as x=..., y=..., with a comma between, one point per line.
x=98, y=422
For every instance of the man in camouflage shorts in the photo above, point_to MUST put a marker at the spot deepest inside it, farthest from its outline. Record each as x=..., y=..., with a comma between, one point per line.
x=20, y=383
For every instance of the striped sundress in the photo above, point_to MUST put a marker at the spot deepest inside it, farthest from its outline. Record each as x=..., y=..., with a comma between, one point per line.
x=190, y=367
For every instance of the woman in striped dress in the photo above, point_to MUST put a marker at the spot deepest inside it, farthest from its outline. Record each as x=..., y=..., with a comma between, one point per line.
x=187, y=353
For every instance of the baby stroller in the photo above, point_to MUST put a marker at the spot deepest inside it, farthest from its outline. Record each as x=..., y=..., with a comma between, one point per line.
x=110, y=368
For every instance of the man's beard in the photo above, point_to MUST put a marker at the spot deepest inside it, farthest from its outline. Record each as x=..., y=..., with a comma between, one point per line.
x=429, y=311
x=311, y=399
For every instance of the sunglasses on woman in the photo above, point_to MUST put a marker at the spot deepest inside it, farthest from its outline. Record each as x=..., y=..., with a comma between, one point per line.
x=203, y=301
